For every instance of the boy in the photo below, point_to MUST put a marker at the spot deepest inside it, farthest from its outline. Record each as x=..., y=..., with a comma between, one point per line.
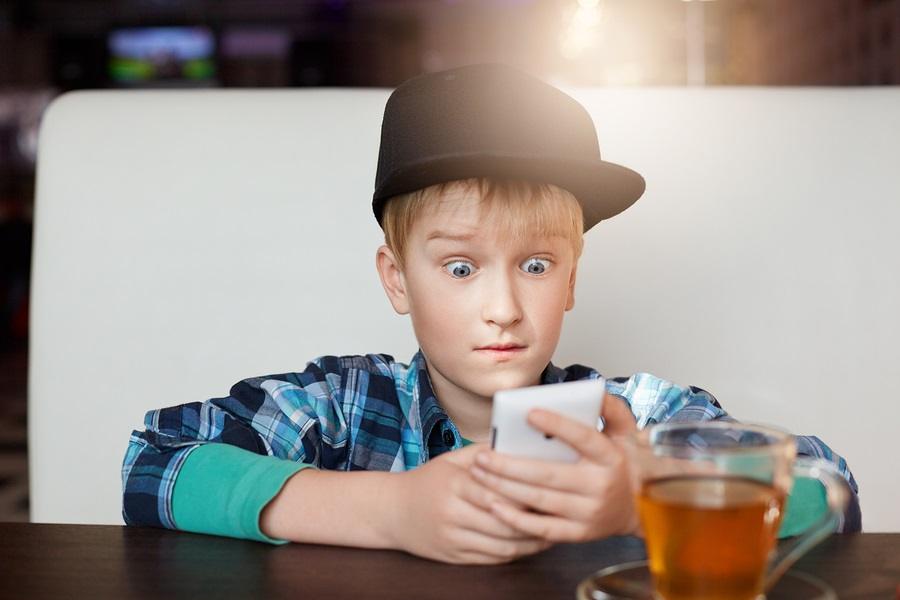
x=487, y=179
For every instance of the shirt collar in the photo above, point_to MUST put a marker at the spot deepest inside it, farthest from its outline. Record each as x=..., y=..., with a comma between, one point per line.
x=553, y=374
x=430, y=411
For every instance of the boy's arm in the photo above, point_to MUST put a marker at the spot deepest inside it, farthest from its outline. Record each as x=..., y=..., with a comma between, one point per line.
x=813, y=493
x=592, y=498
x=222, y=490
x=437, y=511
x=263, y=432
x=215, y=467
x=213, y=482
x=335, y=507
x=654, y=400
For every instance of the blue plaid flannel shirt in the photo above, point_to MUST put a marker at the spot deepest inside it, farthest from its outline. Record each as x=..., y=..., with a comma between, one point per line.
x=363, y=413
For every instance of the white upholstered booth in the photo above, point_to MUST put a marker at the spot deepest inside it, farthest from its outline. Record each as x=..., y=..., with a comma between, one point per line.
x=186, y=240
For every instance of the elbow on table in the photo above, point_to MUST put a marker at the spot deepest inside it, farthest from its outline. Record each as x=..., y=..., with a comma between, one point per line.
x=852, y=522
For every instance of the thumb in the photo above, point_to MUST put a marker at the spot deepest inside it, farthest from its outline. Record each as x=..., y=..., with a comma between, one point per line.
x=618, y=417
x=464, y=457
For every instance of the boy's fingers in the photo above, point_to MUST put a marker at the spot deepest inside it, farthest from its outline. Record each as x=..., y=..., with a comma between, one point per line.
x=550, y=528
x=559, y=476
x=479, y=495
x=486, y=549
x=586, y=440
x=546, y=500
x=463, y=456
x=618, y=416
x=485, y=522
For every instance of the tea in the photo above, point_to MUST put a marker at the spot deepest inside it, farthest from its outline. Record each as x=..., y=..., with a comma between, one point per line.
x=709, y=536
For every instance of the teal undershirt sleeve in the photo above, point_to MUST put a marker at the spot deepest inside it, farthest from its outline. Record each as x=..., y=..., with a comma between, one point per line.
x=222, y=490
x=806, y=505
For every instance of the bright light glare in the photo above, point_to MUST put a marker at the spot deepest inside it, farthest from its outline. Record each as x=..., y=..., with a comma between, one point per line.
x=625, y=74
x=582, y=30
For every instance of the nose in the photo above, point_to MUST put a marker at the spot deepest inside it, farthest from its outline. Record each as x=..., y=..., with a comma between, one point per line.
x=501, y=304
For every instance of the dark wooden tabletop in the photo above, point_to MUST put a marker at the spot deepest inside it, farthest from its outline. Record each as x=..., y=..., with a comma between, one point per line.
x=107, y=561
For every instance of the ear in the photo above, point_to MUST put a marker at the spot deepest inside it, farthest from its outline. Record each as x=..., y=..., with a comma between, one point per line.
x=392, y=279
x=570, y=298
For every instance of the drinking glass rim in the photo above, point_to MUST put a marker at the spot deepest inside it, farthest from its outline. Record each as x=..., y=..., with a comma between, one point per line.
x=782, y=436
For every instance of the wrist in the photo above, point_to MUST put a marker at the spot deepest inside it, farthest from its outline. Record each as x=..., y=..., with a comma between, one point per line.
x=395, y=509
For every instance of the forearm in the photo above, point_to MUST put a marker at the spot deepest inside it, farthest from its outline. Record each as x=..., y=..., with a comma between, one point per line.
x=334, y=507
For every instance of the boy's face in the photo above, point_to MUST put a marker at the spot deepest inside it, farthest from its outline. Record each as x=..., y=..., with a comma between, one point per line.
x=487, y=309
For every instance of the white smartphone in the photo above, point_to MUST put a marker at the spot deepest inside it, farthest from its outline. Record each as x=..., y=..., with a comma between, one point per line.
x=511, y=434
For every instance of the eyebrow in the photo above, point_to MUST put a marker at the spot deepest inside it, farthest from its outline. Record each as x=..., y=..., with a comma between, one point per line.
x=458, y=237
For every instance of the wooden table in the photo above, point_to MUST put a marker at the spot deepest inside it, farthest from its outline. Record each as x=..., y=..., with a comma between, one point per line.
x=107, y=561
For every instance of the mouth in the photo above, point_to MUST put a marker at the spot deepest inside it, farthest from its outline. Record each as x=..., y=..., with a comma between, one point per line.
x=501, y=351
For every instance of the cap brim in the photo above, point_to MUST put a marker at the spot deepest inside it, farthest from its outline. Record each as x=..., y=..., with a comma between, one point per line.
x=604, y=189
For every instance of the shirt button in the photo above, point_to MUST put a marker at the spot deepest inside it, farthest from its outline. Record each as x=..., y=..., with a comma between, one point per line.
x=449, y=440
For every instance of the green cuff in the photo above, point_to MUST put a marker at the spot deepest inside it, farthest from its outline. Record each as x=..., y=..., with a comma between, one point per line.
x=222, y=490
x=806, y=505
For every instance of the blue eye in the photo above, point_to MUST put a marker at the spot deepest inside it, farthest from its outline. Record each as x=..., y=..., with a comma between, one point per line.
x=535, y=266
x=459, y=269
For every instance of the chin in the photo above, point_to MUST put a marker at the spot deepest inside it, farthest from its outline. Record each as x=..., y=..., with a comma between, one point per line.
x=494, y=382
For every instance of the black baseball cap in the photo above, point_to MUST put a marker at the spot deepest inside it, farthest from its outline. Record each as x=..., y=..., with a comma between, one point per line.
x=493, y=120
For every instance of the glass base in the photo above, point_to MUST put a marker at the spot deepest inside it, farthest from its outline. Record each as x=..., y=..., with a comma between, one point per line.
x=632, y=581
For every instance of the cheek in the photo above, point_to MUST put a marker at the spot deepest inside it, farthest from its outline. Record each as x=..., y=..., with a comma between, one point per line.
x=548, y=301
x=436, y=316
x=437, y=308
x=546, y=309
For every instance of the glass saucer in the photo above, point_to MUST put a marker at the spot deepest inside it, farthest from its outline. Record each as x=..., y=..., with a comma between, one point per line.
x=631, y=581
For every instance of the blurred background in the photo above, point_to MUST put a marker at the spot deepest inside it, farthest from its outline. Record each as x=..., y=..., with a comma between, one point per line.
x=48, y=47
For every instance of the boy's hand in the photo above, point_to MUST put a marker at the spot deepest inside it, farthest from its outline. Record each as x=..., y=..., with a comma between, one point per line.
x=562, y=502
x=447, y=515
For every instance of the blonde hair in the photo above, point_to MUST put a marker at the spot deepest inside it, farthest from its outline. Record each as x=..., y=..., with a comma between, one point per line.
x=530, y=208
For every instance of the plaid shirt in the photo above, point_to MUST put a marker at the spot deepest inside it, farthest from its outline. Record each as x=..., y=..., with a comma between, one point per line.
x=362, y=413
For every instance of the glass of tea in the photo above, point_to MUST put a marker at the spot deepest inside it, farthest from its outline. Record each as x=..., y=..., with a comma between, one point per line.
x=711, y=497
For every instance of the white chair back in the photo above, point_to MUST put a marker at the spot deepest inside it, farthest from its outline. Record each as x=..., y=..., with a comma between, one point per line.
x=186, y=240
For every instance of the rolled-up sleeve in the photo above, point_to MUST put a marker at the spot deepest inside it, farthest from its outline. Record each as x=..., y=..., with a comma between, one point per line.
x=654, y=400
x=273, y=427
